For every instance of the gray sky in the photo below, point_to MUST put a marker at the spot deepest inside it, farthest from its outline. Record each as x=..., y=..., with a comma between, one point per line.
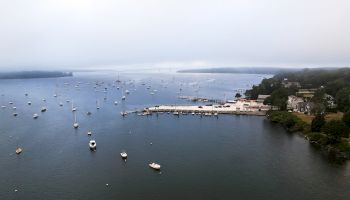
x=173, y=33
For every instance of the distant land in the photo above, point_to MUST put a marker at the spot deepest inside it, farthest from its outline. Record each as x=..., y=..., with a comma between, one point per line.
x=33, y=74
x=242, y=70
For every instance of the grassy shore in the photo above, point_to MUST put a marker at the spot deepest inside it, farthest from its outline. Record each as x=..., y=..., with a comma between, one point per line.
x=301, y=123
x=308, y=118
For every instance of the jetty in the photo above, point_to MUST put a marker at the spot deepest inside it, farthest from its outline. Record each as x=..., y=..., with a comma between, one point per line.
x=239, y=107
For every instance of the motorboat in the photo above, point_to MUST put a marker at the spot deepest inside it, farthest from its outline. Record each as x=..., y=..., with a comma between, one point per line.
x=19, y=150
x=35, y=116
x=116, y=103
x=88, y=113
x=43, y=109
x=124, y=155
x=154, y=166
x=29, y=103
x=61, y=104
x=15, y=114
x=92, y=145
x=123, y=113
x=123, y=97
x=89, y=133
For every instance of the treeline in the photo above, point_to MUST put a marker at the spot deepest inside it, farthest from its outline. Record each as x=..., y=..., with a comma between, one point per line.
x=335, y=82
x=33, y=74
x=245, y=70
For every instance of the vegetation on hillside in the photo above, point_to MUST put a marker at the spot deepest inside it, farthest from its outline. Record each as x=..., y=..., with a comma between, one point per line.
x=330, y=131
x=333, y=82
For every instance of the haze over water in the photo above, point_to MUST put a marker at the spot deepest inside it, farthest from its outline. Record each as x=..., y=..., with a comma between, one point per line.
x=232, y=157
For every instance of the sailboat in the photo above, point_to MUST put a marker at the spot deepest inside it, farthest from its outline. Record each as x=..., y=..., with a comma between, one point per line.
x=123, y=97
x=73, y=108
x=97, y=105
x=75, y=125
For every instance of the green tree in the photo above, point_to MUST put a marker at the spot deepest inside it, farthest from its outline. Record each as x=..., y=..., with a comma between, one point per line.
x=238, y=95
x=317, y=123
x=335, y=130
x=343, y=99
x=346, y=118
x=278, y=98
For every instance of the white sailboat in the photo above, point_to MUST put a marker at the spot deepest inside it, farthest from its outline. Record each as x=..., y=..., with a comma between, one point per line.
x=73, y=108
x=97, y=105
x=75, y=124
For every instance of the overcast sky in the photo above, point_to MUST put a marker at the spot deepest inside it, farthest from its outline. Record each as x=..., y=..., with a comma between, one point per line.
x=173, y=33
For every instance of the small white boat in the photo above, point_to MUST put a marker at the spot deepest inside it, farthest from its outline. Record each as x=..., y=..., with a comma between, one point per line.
x=89, y=133
x=10, y=102
x=124, y=155
x=14, y=107
x=35, y=116
x=123, y=113
x=123, y=97
x=176, y=113
x=76, y=125
x=19, y=150
x=3, y=106
x=92, y=144
x=88, y=113
x=193, y=113
x=116, y=103
x=61, y=104
x=55, y=95
x=154, y=166
x=29, y=103
x=127, y=92
x=43, y=109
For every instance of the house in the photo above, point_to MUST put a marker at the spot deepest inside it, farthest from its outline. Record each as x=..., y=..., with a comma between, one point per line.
x=293, y=103
x=288, y=84
x=305, y=107
x=306, y=93
x=261, y=98
x=330, y=101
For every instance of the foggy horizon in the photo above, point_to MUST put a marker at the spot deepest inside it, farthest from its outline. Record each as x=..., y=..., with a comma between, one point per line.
x=91, y=35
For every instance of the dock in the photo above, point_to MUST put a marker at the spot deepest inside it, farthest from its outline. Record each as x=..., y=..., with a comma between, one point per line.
x=245, y=107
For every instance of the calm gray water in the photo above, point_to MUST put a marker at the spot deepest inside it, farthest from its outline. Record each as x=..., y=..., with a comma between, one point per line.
x=232, y=157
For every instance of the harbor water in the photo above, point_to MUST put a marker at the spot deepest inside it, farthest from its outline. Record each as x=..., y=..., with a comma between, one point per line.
x=229, y=157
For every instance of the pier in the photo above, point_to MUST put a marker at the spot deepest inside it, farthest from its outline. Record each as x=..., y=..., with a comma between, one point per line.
x=240, y=107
